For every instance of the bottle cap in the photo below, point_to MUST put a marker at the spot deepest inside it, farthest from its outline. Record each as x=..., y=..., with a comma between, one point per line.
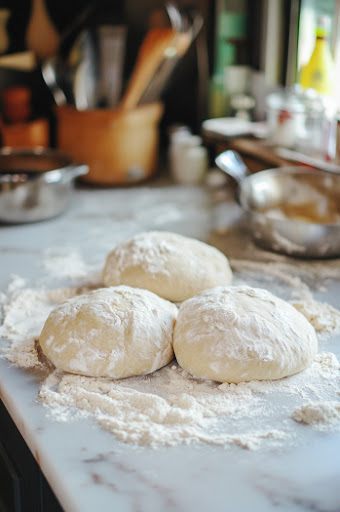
x=323, y=26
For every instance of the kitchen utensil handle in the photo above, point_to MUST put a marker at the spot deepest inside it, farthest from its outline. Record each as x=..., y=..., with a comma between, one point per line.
x=150, y=55
x=78, y=170
x=232, y=164
x=68, y=173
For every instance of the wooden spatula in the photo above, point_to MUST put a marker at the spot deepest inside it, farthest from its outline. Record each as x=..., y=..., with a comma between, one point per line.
x=150, y=55
x=179, y=45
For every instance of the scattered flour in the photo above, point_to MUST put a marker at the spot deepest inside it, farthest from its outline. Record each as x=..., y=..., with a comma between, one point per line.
x=165, y=408
x=69, y=264
x=171, y=407
x=296, y=273
x=321, y=413
x=323, y=317
x=16, y=283
x=276, y=271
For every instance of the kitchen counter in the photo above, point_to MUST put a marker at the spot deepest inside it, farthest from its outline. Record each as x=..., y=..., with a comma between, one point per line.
x=87, y=467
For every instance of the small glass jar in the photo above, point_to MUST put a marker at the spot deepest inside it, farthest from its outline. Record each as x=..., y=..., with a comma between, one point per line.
x=285, y=118
x=302, y=120
x=321, y=126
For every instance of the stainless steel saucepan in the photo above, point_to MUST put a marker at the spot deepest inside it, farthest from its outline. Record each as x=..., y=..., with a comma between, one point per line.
x=35, y=184
x=290, y=210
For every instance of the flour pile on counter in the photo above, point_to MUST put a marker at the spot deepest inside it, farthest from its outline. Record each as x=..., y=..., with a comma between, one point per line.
x=318, y=412
x=170, y=407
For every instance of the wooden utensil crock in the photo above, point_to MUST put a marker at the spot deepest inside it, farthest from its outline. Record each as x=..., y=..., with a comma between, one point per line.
x=120, y=147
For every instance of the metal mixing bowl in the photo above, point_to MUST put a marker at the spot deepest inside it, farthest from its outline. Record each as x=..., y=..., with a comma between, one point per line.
x=290, y=210
x=310, y=196
x=35, y=184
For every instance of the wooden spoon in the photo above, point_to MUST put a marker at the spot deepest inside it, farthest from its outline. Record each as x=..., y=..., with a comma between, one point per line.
x=150, y=55
x=174, y=52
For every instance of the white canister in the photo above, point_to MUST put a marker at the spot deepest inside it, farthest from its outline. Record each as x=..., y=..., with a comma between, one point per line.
x=188, y=159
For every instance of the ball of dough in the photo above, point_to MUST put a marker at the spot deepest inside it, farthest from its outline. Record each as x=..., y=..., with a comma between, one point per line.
x=235, y=334
x=112, y=332
x=173, y=266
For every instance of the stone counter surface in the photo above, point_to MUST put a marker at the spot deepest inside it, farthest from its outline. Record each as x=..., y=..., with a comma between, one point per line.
x=87, y=468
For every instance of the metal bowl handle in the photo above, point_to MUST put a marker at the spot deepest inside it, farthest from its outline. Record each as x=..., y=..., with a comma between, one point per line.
x=232, y=164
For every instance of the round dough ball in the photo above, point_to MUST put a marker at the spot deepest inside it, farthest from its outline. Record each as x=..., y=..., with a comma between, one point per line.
x=112, y=332
x=240, y=334
x=173, y=266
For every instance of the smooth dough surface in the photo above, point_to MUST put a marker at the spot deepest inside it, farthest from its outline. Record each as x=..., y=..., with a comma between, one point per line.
x=239, y=333
x=112, y=332
x=173, y=266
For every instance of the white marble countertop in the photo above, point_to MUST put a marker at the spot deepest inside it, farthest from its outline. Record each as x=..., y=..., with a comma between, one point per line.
x=87, y=468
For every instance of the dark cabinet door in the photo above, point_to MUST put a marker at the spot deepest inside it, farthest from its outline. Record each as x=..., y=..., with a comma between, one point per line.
x=23, y=487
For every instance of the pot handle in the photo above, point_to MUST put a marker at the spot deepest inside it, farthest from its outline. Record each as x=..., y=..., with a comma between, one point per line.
x=78, y=170
x=232, y=164
x=68, y=173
